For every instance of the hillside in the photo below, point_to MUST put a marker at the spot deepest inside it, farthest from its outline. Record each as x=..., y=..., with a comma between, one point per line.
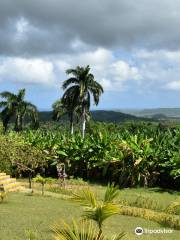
x=98, y=115
x=166, y=112
x=112, y=116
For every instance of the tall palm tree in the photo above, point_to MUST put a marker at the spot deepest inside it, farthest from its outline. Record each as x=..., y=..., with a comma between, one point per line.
x=15, y=106
x=83, y=84
x=67, y=105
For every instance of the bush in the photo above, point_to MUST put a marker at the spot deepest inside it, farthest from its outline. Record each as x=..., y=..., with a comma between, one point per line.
x=16, y=155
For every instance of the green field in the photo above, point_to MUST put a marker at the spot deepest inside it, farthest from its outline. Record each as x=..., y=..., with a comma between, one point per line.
x=21, y=212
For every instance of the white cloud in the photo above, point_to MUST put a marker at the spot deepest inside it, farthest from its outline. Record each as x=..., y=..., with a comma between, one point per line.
x=31, y=71
x=62, y=65
x=144, y=70
x=93, y=58
x=112, y=73
x=159, y=69
x=175, y=85
x=123, y=71
x=158, y=55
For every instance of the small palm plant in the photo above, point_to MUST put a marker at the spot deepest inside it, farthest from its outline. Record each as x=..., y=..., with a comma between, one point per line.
x=3, y=195
x=95, y=210
x=42, y=181
x=83, y=230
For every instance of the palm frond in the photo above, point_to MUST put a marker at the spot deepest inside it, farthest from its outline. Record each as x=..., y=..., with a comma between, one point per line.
x=57, y=104
x=71, y=96
x=21, y=94
x=59, y=110
x=100, y=213
x=85, y=197
x=111, y=193
x=117, y=237
x=8, y=95
x=96, y=89
x=72, y=71
x=31, y=110
x=3, y=104
x=69, y=82
x=83, y=230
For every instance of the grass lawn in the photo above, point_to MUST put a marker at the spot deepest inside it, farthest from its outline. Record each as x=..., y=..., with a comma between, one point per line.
x=21, y=212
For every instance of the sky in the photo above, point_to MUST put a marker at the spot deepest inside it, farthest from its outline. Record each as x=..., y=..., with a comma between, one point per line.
x=132, y=47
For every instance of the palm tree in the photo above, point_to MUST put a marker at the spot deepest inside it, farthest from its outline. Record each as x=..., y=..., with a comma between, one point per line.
x=16, y=106
x=97, y=210
x=82, y=84
x=5, y=115
x=8, y=108
x=67, y=105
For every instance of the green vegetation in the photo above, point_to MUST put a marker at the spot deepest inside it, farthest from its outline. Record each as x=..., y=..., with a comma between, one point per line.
x=133, y=154
x=130, y=155
x=15, y=106
x=98, y=211
x=3, y=195
x=42, y=181
x=18, y=157
x=37, y=214
x=95, y=210
x=77, y=97
x=96, y=115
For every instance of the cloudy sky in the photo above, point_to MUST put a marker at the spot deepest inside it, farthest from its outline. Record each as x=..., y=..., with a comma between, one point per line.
x=133, y=48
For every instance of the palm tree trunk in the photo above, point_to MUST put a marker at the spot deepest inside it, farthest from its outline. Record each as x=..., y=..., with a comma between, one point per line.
x=18, y=123
x=42, y=189
x=84, y=122
x=72, y=124
x=5, y=125
x=100, y=233
x=30, y=180
x=21, y=123
x=16, y=127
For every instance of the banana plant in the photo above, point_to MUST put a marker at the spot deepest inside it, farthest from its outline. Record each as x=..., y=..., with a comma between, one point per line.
x=136, y=157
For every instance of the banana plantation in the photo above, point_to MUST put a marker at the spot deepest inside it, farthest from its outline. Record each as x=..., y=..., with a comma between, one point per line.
x=138, y=154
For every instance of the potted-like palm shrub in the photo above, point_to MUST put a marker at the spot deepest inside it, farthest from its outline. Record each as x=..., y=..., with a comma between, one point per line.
x=94, y=210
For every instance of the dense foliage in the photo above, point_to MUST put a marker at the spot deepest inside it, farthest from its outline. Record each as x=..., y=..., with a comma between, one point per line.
x=15, y=106
x=19, y=157
x=133, y=154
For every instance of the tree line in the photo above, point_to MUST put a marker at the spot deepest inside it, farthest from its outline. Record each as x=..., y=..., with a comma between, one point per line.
x=75, y=102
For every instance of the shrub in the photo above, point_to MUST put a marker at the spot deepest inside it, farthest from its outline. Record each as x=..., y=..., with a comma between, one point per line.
x=169, y=220
x=17, y=157
x=3, y=195
x=43, y=181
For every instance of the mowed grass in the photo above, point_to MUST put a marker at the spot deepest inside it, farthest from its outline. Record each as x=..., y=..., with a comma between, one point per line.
x=21, y=212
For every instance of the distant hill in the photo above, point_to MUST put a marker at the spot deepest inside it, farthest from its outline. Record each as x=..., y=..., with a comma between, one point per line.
x=112, y=116
x=98, y=115
x=149, y=113
x=45, y=116
x=159, y=116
